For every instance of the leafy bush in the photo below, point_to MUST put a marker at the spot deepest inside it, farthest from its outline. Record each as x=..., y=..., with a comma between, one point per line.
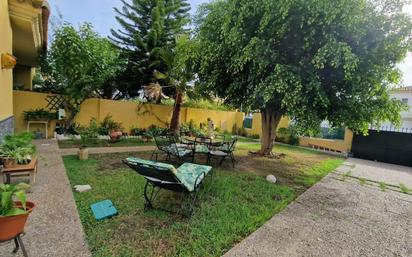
x=153, y=131
x=288, y=135
x=137, y=131
x=239, y=131
x=88, y=133
x=108, y=125
x=39, y=114
x=18, y=147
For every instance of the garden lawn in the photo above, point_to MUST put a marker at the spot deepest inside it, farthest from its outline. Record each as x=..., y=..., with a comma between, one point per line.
x=103, y=143
x=229, y=208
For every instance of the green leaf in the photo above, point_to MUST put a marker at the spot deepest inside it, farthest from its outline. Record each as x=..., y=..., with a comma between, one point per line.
x=22, y=198
x=14, y=212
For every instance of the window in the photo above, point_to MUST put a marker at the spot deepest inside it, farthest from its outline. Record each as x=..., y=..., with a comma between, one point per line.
x=405, y=100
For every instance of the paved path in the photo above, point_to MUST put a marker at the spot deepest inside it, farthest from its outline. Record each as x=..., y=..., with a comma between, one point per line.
x=95, y=150
x=54, y=227
x=340, y=218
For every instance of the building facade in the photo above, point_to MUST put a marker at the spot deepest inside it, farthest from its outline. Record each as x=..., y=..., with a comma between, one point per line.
x=23, y=36
x=403, y=94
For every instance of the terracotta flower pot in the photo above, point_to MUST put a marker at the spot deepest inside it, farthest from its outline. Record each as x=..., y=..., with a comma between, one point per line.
x=14, y=225
x=115, y=135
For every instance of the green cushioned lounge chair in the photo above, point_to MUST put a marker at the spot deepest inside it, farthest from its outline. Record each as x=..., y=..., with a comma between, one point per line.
x=186, y=179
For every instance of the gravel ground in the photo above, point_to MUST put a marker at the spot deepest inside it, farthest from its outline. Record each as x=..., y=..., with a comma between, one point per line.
x=340, y=218
x=53, y=229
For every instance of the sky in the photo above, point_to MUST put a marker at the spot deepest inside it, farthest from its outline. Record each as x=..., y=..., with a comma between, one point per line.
x=101, y=14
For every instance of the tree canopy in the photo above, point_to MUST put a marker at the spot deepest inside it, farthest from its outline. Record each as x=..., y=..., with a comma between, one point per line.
x=311, y=60
x=78, y=63
x=146, y=27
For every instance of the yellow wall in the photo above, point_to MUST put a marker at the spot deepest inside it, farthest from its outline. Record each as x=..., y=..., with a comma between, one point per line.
x=6, y=79
x=329, y=144
x=130, y=114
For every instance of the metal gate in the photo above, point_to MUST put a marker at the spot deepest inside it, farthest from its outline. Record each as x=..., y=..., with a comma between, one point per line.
x=384, y=146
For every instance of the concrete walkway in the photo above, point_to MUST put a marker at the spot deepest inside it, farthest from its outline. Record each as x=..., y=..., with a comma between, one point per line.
x=341, y=218
x=54, y=228
x=96, y=150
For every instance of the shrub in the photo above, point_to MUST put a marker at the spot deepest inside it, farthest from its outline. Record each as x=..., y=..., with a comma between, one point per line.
x=88, y=133
x=108, y=124
x=288, y=135
x=137, y=131
x=154, y=130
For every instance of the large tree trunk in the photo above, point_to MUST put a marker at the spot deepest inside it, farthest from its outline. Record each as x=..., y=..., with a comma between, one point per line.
x=175, y=122
x=270, y=121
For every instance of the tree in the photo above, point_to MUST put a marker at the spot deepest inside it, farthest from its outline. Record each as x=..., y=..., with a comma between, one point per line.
x=146, y=27
x=310, y=60
x=78, y=63
x=178, y=62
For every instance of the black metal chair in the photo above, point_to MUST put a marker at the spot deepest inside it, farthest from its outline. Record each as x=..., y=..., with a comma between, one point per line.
x=168, y=146
x=226, y=149
x=186, y=179
x=201, y=146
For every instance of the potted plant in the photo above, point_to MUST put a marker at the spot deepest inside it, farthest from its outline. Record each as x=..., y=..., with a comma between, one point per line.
x=13, y=214
x=17, y=150
x=86, y=134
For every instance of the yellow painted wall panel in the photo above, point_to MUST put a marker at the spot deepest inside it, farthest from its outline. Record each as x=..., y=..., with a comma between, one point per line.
x=6, y=75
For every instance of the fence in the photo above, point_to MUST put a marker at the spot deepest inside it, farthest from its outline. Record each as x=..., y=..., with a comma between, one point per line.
x=131, y=114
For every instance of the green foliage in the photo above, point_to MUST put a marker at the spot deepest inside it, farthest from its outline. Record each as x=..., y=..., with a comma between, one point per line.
x=7, y=195
x=18, y=147
x=405, y=189
x=39, y=114
x=88, y=133
x=146, y=27
x=206, y=105
x=137, y=131
x=382, y=186
x=310, y=60
x=153, y=131
x=288, y=135
x=78, y=63
x=108, y=125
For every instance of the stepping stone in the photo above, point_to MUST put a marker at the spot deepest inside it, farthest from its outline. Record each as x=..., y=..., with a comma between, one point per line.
x=103, y=210
x=82, y=188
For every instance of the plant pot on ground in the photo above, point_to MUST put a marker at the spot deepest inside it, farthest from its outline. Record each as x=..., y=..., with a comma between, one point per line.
x=115, y=135
x=13, y=214
x=86, y=134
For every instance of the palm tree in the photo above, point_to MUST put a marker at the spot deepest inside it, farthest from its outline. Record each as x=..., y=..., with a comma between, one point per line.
x=177, y=75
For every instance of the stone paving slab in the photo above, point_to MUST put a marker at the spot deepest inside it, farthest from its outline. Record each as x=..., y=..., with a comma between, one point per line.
x=121, y=149
x=54, y=228
x=378, y=171
x=337, y=218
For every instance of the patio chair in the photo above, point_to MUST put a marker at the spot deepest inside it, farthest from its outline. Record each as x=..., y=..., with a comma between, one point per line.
x=223, y=151
x=168, y=146
x=201, y=146
x=186, y=179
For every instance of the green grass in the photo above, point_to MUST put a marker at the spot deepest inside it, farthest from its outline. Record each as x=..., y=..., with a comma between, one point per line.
x=103, y=143
x=312, y=175
x=405, y=189
x=234, y=205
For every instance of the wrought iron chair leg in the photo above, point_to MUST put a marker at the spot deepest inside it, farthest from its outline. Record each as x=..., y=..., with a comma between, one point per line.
x=23, y=249
x=17, y=247
x=221, y=161
x=148, y=203
x=233, y=159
